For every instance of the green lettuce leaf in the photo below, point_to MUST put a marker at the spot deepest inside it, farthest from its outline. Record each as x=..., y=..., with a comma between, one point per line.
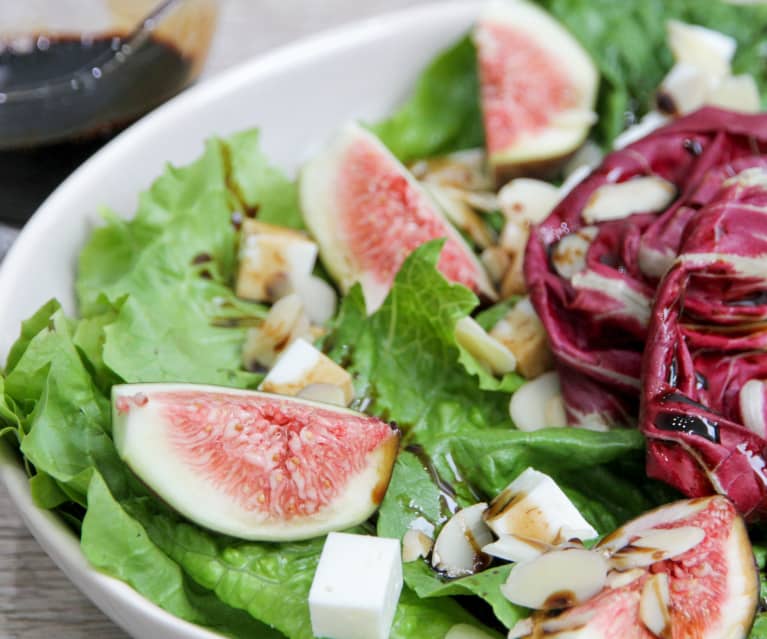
x=602, y=473
x=117, y=544
x=68, y=431
x=115, y=249
x=89, y=338
x=486, y=585
x=169, y=272
x=272, y=581
x=262, y=189
x=626, y=40
x=404, y=357
x=443, y=113
x=459, y=469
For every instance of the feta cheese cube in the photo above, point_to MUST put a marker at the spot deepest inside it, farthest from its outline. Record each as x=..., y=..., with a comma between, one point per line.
x=356, y=587
x=534, y=506
x=302, y=365
x=272, y=260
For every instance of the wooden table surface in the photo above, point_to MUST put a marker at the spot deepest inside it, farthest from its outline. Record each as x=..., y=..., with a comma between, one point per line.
x=36, y=599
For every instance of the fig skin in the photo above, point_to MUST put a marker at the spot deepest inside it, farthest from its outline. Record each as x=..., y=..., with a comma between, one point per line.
x=246, y=463
x=538, y=89
x=726, y=540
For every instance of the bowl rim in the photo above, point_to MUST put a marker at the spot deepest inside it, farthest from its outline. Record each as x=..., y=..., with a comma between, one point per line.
x=55, y=538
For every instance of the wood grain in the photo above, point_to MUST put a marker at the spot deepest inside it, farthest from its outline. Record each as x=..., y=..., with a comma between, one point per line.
x=36, y=600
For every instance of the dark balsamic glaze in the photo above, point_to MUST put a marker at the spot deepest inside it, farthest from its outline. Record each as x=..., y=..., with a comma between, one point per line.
x=693, y=147
x=672, y=371
x=685, y=423
x=758, y=299
x=72, y=104
x=688, y=424
x=447, y=492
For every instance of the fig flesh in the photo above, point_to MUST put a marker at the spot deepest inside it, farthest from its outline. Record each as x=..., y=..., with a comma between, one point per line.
x=368, y=213
x=254, y=465
x=537, y=86
x=708, y=591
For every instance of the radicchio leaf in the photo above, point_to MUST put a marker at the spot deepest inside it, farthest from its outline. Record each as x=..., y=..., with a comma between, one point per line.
x=685, y=287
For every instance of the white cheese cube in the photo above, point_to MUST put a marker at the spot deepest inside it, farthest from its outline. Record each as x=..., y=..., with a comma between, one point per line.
x=356, y=587
x=272, y=260
x=534, y=506
x=302, y=365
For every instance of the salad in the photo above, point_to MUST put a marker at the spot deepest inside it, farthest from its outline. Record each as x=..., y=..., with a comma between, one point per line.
x=493, y=366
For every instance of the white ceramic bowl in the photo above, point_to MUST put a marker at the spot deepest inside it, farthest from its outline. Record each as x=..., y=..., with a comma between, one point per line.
x=298, y=95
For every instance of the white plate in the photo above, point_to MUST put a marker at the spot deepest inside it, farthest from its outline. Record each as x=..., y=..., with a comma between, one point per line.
x=298, y=95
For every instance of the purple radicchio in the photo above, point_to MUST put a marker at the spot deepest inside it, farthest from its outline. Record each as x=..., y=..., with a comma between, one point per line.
x=685, y=286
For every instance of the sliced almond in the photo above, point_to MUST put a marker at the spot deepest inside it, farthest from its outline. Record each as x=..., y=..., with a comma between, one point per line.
x=569, y=254
x=496, y=262
x=528, y=199
x=458, y=549
x=558, y=579
x=752, y=405
x=589, y=156
x=642, y=525
x=619, y=579
x=466, y=631
x=672, y=541
x=592, y=421
x=416, y=544
x=708, y=50
x=648, y=194
x=523, y=628
x=523, y=333
x=683, y=90
x=737, y=93
x=657, y=545
x=326, y=393
x=755, y=176
x=631, y=557
x=650, y=122
x=485, y=201
x=513, y=282
x=461, y=214
x=302, y=365
x=498, y=359
x=570, y=620
x=533, y=405
x=574, y=179
x=654, y=606
x=464, y=169
x=653, y=262
x=318, y=296
x=285, y=322
x=515, y=548
x=514, y=236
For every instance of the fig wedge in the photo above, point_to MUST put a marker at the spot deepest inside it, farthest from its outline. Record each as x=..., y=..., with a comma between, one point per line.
x=367, y=213
x=537, y=86
x=254, y=465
